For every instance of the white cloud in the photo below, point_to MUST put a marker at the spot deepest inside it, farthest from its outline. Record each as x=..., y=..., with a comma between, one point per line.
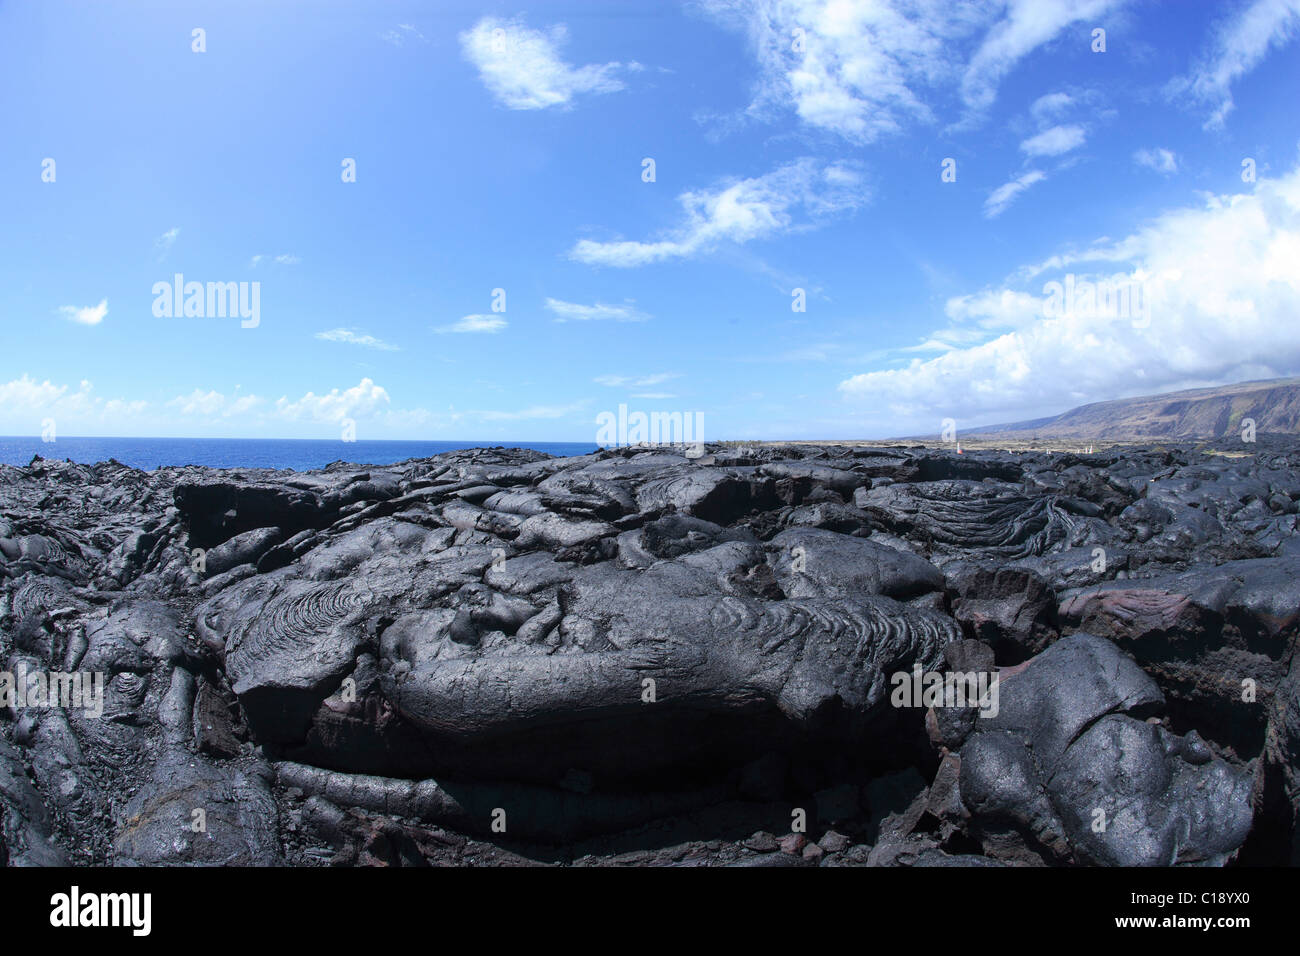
x=475, y=323
x=363, y=399
x=989, y=309
x=572, y=312
x=24, y=403
x=1159, y=159
x=286, y=259
x=86, y=315
x=1054, y=141
x=1051, y=106
x=212, y=404
x=866, y=67
x=861, y=64
x=522, y=67
x=1027, y=25
x=352, y=337
x=1240, y=43
x=635, y=381
x=533, y=412
x=1221, y=291
x=401, y=34
x=29, y=395
x=163, y=244
x=795, y=196
x=1006, y=194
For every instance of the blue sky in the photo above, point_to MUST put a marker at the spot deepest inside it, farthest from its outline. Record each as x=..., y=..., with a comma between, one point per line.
x=797, y=145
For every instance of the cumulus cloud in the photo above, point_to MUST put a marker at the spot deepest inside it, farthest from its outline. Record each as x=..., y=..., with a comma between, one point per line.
x=474, y=323
x=1161, y=160
x=1218, y=287
x=863, y=70
x=1240, y=43
x=522, y=67
x=573, y=312
x=28, y=394
x=796, y=196
x=25, y=402
x=1054, y=141
x=1007, y=193
x=352, y=337
x=363, y=399
x=85, y=315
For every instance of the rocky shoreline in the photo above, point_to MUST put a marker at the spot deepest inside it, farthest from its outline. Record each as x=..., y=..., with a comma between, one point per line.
x=494, y=657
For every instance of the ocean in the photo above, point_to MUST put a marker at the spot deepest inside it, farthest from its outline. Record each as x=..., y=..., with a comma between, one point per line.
x=299, y=454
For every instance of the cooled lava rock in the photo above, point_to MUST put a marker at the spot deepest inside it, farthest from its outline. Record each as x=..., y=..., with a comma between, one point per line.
x=637, y=657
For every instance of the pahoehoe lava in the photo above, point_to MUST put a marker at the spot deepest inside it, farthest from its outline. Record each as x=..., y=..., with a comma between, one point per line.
x=496, y=657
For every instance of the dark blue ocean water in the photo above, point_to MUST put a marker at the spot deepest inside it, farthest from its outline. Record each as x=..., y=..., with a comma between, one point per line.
x=298, y=454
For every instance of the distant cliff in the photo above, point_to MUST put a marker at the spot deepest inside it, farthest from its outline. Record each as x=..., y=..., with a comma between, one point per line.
x=1274, y=404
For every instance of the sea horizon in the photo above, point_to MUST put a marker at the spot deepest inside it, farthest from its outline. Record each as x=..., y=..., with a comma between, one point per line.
x=294, y=454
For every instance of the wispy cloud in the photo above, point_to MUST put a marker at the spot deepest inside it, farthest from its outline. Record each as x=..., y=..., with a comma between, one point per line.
x=1025, y=25
x=522, y=68
x=1006, y=194
x=85, y=315
x=1161, y=160
x=286, y=259
x=635, y=381
x=163, y=244
x=213, y=404
x=352, y=337
x=573, y=312
x=533, y=411
x=796, y=196
x=866, y=70
x=474, y=323
x=404, y=32
x=1240, y=43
